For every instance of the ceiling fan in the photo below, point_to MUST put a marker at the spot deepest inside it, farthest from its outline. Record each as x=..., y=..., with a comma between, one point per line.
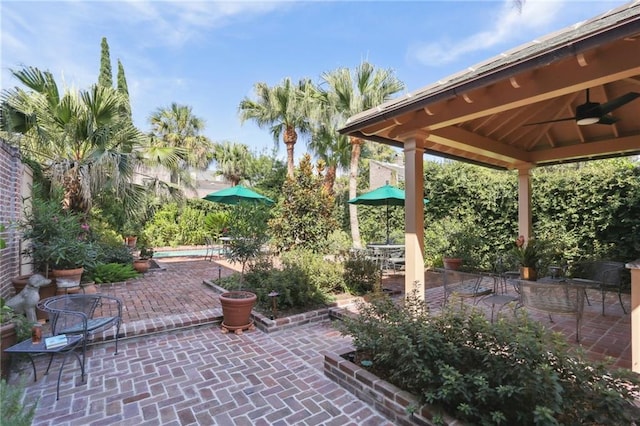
x=594, y=112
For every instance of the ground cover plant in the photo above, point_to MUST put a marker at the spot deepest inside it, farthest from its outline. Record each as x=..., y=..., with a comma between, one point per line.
x=513, y=371
x=113, y=273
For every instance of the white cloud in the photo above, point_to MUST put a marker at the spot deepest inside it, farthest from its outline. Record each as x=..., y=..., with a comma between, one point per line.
x=509, y=22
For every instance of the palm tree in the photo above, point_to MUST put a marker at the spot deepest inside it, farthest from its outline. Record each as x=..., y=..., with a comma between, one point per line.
x=82, y=139
x=326, y=143
x=179, y=130
x=351, y=94
x=284, y=109
x=233, y=161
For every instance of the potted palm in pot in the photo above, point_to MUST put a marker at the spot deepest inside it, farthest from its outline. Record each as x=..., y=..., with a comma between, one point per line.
x=142, y=263
x=528, y=254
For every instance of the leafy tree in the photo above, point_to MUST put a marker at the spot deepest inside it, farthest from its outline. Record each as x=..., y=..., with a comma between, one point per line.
x=248, y=231
x=105, y=79
x=352, y=93
x=284, y=109
x=268, y=174
x=304, y=216
x=124, y=89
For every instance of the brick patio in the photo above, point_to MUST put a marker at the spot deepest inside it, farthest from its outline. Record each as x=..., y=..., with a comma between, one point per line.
x=175, y=367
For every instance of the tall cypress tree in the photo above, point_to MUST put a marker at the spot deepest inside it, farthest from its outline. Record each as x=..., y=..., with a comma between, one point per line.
x=123, y=89
x=106, y=76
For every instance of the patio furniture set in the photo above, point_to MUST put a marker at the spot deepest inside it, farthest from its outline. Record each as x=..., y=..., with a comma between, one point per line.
x=74, y=319
x=553, y=295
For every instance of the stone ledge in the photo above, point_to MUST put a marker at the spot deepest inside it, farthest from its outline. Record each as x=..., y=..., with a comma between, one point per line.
x=389, y=400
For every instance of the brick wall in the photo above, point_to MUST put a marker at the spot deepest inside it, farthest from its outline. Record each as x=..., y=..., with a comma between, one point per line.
x=15, y=185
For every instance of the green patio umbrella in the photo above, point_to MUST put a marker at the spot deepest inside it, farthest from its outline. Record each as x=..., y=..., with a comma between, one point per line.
x=236, y=194
x=386, y=195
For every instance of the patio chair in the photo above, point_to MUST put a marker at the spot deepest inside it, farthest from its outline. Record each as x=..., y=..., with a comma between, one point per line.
x=210, y=248
x=84, y=315
x=464, y=285
x=501, y=297
x=604, y=275
x=554, y=298
x=395, y=260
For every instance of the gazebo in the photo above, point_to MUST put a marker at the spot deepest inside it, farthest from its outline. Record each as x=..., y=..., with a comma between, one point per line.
x=571, y=96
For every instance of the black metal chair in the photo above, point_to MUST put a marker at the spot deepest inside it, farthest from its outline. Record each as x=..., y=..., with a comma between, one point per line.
x=465, y=285
x=605, y=275
x=84, y=315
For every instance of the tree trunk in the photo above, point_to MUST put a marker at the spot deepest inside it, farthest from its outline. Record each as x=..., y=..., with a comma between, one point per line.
x=356, y=144
x=74, y=199
x=290, y=138
x=329, y=179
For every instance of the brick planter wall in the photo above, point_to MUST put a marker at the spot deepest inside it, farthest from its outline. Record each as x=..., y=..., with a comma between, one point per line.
x=388, y=399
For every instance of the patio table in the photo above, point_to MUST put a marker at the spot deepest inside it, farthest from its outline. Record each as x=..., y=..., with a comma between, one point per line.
x=30, y=348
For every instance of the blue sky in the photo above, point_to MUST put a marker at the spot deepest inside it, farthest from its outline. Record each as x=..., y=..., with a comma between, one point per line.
x=208, y=55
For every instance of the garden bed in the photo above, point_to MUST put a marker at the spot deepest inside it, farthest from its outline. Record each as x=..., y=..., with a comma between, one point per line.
x=400, y=407
x=285, y=320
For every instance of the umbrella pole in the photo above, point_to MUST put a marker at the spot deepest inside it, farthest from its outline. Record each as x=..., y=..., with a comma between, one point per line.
x=387, y=222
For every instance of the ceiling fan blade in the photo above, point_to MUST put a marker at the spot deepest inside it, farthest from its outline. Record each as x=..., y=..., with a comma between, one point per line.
x=607, y=107
x=550, y=121
x=607, y=119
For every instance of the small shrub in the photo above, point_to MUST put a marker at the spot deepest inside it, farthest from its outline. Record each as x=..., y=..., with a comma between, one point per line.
x=323, y=274
x=14, y=411
x=114, y=253
x=511, y=372
x=297, y=288
x=113, y=273
x=361, y=273
x=23, y=326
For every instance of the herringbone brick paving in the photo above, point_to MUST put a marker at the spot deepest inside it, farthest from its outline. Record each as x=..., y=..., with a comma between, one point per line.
x=198, y=375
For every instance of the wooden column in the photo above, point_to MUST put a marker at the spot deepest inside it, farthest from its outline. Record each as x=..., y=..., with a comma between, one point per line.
x=635, y=314
x=524, y=203
x=414, y=217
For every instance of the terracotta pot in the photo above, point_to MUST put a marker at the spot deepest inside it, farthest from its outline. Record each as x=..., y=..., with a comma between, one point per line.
x=236, y=310
x=67, y=278
x=453, y=263
x=8, y=338
x=131, y=241
x=89, y=288
x=20, y=283
x=141, y=265
x=528, y=273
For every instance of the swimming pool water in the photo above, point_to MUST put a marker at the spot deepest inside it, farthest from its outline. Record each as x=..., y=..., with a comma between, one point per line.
x=179, y=253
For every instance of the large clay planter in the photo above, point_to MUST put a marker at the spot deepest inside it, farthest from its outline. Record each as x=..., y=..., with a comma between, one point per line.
x=20, y=283
x=141, y=265
x=67, y=279
x=8, y=338
x=528, y=273
x=131, y=241
x=236, y=311
x=453, y=263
